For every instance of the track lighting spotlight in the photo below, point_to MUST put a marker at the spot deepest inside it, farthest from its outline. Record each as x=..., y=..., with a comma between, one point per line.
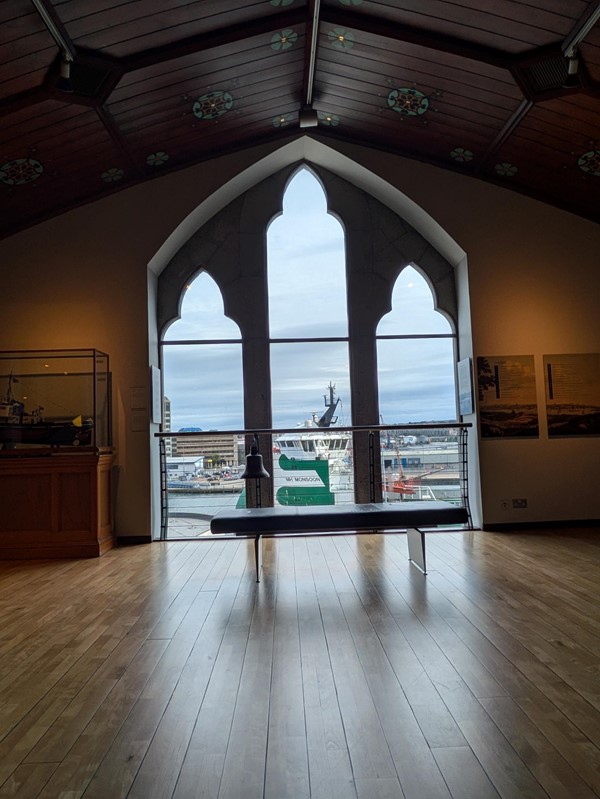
x=308, y=117
x=64, y=81
x=572, y=79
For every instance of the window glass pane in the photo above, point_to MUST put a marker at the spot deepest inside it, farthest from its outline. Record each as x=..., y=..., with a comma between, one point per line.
x=416, y=380
x=204, y=385
x=311, y=390
x=202, y=315
x=306, y=266
x=412, y=308
x=300, y=375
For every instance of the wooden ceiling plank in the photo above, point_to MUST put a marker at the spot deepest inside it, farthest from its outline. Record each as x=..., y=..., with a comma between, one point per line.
x=175, y=110
x=418, y=36
x=388, y=54
x=509, y=128
x=261, y=102
x=337, y=103
x=521, y=22
x=207, y=41
x=115, y=134
x=213, y=76
x=122, y=30
x=429, y=83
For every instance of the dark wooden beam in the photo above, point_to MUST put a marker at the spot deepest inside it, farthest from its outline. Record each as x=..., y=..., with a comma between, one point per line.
x=515, y=120
x=206, y=41
x=9, y=105
x=55, y=26
x=115, y=134
x=582, y=27
x=310, y=49
x=376, y=26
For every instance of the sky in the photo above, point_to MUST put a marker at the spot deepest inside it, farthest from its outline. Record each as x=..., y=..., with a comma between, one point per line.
x=307, y=299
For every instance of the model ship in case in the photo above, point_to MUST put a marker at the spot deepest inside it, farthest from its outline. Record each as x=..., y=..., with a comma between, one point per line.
x=18, y=426
x=54, y=399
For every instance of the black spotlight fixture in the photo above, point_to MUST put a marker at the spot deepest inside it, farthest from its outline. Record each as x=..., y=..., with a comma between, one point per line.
x=572, y=79
x=63, y=83
x=308, y=117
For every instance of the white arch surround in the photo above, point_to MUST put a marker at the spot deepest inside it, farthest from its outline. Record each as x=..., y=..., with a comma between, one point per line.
x=438, y=256
x=231, y=247
x=313, y=151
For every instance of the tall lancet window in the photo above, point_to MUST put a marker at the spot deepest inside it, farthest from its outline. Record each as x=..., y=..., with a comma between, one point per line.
x=202, y=362
x=308, y=328
x=308, y=319
x=415, y=356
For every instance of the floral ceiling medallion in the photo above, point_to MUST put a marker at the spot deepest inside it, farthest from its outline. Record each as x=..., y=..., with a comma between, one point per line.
x=282, y=120
x=408, y=101
x=590, y=162
x=461, y=155
x=212, y=105
x=20, y=171
x=113, y=174
x=284, y=39
x=328, y=119
x=156, y=159
x=341, y=38
x=506, y=170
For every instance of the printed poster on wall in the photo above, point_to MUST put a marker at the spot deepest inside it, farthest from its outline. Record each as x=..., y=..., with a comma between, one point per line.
x=507, y=396
x=572, y=394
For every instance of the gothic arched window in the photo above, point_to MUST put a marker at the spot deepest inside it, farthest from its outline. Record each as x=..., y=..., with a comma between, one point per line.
x=415, y=356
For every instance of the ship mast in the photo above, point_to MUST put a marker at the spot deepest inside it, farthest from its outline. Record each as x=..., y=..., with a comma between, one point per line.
x=328, y=418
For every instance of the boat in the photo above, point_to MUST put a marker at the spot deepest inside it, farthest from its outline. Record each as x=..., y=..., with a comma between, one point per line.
x=317, y=438
x=313, y=466
x=19, y=426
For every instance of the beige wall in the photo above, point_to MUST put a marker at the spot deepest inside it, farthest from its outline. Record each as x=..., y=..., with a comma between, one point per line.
x=81, y=280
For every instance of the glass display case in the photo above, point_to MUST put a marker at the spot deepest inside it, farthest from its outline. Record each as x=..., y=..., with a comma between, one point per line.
x=54, y=399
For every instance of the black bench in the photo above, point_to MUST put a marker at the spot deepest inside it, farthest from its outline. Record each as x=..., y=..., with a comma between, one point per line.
x=376, y=516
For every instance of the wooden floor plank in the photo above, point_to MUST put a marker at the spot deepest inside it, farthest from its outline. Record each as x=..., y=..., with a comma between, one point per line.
x=367, y=745
x=463, y=773
x=245, y=759
x=26, y=782
x=287, y=775
x=330, y=770
x=552, y=771
x=171, y=739
x=412, y=757
x=78, y=766
x=202, y=767
x=167, y=672
x=120, y=764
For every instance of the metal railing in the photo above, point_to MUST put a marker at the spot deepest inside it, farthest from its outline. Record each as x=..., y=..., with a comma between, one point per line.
x=310, y=466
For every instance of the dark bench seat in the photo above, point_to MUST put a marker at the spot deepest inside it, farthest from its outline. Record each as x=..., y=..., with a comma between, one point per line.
x=380, y=516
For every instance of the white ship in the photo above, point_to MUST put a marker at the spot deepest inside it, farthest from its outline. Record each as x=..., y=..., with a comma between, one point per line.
x=313, y=465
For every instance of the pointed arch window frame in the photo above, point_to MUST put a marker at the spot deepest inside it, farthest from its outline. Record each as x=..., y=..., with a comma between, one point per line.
x=452, y=335
x=166, y=343
x=314, y=340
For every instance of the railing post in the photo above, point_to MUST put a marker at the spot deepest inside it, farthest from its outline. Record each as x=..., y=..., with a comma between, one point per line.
x=371, y=466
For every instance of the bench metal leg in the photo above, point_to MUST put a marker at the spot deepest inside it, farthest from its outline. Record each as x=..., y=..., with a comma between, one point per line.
x=257, y=556
x=416, y=548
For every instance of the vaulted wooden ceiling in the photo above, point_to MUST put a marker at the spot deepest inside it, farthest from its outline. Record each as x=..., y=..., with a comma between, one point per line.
x=504, y=90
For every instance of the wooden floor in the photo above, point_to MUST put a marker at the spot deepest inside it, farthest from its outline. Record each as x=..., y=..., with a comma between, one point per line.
x=165, y=671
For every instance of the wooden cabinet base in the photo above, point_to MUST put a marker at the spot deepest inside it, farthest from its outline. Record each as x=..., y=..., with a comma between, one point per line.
x=58, y=506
